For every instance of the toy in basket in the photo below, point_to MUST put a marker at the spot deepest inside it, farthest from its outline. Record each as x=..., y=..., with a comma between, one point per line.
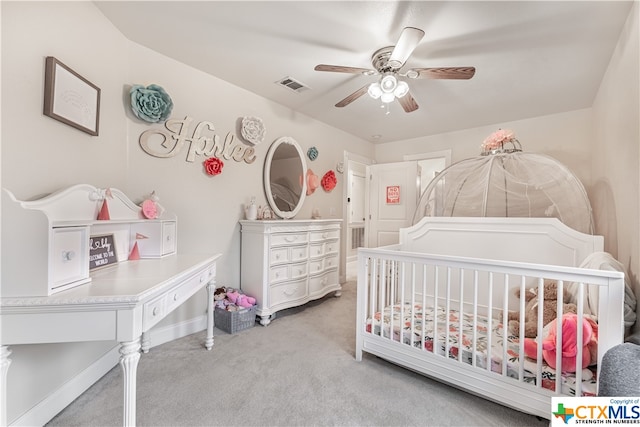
x=233, y=311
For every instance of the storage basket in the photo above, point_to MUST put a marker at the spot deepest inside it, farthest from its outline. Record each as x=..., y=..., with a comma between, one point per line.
x=234, y=321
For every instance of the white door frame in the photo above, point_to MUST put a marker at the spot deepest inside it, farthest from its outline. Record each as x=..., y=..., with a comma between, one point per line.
x=345, y=209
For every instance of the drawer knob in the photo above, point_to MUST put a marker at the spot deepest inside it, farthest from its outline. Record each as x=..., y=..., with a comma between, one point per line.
x=175, y=297
x=277, y=256
x=168, y=238
x=291, y=238
x=155, y=311
x=68, y=255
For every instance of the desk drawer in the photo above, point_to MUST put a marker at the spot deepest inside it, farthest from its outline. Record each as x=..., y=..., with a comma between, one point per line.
x=69, y=257
x=181, y=293
x=153, y=312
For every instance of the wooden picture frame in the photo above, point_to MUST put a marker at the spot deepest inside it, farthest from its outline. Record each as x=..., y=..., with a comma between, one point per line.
x=70, y=98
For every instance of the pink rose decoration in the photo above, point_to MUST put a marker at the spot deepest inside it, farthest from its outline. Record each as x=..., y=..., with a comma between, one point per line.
x=329, y=181
x=213, y=166
x=497, y=139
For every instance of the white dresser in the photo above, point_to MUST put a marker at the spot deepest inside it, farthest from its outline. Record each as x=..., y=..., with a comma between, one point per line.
x=287, y=263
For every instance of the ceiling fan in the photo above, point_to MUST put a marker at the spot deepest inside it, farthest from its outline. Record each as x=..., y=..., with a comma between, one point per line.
x=387, y=63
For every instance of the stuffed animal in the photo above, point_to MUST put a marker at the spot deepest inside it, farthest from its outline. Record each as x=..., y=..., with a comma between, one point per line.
x=241, y=300
x=569, y=343
x=550, y=304
x=220, y=298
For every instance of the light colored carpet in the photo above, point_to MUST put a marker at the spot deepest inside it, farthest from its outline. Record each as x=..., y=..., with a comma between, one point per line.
x=298, y=371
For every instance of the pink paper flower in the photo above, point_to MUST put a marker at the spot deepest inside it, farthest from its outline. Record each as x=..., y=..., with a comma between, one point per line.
x=213, y=166
x=497, y=139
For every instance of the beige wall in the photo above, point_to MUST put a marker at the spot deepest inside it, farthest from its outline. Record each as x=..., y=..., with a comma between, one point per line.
x=615, y=190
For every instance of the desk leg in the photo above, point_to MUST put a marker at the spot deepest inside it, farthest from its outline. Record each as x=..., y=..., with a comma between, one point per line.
x=211, y=288
x=4, y=368
x=130, y=354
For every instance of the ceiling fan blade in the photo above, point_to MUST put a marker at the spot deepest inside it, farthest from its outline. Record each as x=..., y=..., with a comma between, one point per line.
x=407, y=42
x=460, y=73
x=355, y=95
x=343, y=69
x=408, y=103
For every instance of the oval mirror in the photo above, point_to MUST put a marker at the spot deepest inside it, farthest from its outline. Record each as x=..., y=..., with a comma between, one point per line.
x=284, y=177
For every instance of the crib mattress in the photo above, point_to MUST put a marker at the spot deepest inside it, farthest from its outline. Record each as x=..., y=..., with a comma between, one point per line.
x=423, y=331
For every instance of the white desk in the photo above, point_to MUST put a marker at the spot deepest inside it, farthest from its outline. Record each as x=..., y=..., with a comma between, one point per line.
x=121, y=303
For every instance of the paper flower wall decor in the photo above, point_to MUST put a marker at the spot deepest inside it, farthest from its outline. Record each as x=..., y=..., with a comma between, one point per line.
x=151, y=104
x=252, y=130
x=312, y=153
x=312, y=182
x=213, y=166
x=329, y=181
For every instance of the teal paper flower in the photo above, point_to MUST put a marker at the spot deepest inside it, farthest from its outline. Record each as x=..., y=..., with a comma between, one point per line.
x=151, y=104
x=312, y=153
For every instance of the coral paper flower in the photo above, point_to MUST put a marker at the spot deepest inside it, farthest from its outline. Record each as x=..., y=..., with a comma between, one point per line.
x=213, y=166
x=329, y=181
x=151, y=104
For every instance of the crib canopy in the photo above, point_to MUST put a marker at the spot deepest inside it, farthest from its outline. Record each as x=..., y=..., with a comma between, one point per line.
x=508, y=183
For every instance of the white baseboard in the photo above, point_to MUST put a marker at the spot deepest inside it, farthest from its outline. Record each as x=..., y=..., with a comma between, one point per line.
x=50, y=406
x=174, y=331
x=46, y=409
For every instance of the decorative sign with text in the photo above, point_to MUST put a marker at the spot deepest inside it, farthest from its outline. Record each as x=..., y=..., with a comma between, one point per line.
x=203, y=141
x=393, y=195
x=102, y=251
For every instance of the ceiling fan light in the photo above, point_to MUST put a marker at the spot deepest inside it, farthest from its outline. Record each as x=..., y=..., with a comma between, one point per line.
x=387, y=97
x=401, y=90
x=374, y=90
x=388, y=83
x=412, y=74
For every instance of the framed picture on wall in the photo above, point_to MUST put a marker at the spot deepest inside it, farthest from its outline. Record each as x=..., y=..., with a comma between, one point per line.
x=70, y=98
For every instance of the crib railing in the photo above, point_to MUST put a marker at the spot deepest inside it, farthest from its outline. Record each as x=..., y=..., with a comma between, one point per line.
x=479, y=291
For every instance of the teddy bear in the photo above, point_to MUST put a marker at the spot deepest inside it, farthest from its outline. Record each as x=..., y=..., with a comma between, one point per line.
x=550, y=304
x=241, y=300
x=569, y=347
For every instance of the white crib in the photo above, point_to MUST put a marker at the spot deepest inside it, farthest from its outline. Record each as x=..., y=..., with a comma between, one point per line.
x=435, y=303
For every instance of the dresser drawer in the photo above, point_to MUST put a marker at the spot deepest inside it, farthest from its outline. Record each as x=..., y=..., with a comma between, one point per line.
x=317, y=284
x=331, y=247
x=280, y=239
x=286, y=292
x=153, y=312
x=69, y=257
x=279, y=273
x=279, y=255
x=299, y=253
x=331, y=262
x=316, y=249
x=318, y=236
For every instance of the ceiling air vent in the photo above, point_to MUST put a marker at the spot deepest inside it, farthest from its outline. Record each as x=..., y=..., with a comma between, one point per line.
x=293, y=84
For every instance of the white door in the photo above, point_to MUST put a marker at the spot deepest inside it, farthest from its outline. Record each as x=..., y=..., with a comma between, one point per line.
x=392, y=201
